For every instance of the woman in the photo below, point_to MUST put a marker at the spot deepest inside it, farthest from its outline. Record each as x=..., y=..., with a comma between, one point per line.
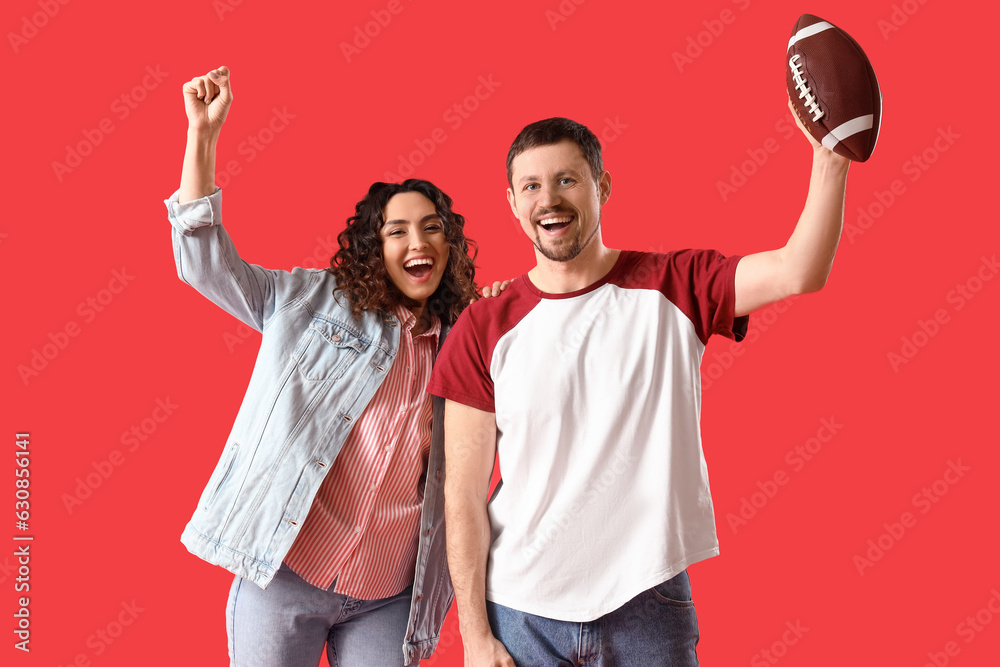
x=327, y=503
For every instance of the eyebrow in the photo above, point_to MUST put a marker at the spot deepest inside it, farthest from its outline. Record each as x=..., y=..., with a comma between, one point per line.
x=430, y=216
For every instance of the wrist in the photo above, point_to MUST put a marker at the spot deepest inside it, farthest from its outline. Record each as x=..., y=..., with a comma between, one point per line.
x=829, y=162
x=475, y=633
x=206, y=136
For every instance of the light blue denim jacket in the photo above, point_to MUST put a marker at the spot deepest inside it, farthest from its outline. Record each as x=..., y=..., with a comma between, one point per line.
x=316, y=371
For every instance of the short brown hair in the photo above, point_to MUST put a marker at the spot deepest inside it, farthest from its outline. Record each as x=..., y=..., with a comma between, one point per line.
x=552, y=131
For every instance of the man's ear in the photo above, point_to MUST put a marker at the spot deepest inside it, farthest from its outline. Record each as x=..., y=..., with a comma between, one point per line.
x=510, y=200
x=604, y=187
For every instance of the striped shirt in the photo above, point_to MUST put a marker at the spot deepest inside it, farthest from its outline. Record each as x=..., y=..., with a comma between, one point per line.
x=363, y=524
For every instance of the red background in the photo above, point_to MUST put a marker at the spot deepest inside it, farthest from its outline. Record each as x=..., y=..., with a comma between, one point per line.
x=672, y=134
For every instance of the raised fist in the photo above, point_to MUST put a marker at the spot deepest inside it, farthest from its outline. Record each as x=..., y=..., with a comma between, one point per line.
x=207, y=99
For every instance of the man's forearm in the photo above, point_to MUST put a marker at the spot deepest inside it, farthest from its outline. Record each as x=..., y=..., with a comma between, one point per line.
x=470, y=451
x=198, y=172
x=468, y=550
x=809, y=253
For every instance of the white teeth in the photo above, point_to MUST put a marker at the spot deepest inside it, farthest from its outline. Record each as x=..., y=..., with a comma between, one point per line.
x=417, y=262
x=554, y=221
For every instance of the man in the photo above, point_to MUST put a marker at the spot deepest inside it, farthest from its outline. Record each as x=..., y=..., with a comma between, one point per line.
x=584, y=375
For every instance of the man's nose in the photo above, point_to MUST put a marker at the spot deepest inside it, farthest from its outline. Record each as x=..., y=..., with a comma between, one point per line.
x=549, y=197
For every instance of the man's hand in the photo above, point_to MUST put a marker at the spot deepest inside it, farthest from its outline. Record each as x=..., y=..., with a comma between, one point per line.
x=207, y=99
x=497, y=288
x=817, y=146
x=486, y=652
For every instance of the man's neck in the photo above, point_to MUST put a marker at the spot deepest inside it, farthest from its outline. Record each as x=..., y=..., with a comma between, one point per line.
x=583, y=270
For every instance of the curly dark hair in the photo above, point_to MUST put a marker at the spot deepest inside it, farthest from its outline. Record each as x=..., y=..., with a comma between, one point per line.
x=359, y=265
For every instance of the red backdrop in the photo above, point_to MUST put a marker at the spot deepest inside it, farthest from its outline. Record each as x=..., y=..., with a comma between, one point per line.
x=852, y=462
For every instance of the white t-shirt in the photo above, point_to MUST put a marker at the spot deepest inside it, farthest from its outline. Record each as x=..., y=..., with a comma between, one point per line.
x=597, y=395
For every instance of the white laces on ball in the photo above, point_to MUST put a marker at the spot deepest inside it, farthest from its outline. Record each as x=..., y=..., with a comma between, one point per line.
x=810, y=101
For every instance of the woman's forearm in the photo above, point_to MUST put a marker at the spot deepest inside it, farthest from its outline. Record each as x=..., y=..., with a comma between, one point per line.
x=198, y=172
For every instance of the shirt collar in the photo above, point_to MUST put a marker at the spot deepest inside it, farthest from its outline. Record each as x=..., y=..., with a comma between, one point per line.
x=408, y=321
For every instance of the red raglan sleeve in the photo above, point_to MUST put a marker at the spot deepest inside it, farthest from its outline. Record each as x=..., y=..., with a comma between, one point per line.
x=462, y=369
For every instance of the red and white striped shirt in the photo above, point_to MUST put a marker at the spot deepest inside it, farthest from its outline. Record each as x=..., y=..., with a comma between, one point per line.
x=363, y=525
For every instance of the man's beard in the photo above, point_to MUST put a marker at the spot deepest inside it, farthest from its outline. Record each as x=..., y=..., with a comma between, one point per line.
x=570, y=253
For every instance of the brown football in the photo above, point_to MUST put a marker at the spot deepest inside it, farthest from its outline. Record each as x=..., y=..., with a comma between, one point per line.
x=833, y=88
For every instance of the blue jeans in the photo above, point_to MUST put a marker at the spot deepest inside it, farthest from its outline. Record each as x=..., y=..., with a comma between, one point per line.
x=288, y=624
x=657, y=628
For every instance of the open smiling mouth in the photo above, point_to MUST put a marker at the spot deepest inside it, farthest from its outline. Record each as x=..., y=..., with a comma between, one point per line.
x=555, y=224
x=419, y=268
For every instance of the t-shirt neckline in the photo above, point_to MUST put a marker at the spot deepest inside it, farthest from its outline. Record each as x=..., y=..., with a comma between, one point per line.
x=612, y=273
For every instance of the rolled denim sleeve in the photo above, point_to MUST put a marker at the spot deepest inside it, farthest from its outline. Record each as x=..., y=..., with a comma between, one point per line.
x=191, y=215
x=207, y=260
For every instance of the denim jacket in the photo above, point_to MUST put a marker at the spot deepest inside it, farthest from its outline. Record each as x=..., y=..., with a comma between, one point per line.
x=316, y=371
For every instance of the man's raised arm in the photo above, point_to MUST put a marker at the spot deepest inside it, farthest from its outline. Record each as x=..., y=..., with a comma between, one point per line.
x=470, y=449
x=805, y=262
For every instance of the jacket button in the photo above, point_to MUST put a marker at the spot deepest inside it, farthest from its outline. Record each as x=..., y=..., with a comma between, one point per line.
x=437, y=475
x=335, y=338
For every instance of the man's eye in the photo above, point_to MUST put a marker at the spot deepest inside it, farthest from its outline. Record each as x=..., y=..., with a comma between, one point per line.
x=565, y=181
x=531, y=186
